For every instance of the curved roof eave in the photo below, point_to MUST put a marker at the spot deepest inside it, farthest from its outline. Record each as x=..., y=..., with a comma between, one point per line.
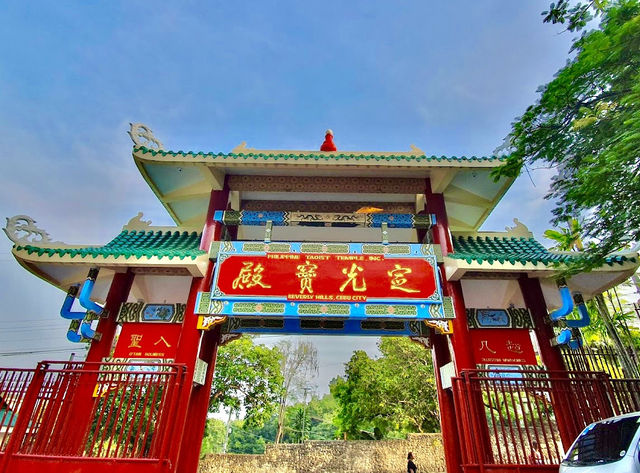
x=589, y=284
x=67, y=270
x=182, y=181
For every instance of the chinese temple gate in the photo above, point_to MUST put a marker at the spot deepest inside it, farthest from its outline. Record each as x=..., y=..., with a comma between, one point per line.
x=306, y=242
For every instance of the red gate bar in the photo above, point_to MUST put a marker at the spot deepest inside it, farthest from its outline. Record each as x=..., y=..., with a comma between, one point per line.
x=129, y=420
x=519, y=409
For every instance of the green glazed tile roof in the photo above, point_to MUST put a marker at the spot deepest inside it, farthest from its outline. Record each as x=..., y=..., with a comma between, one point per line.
x=512, y=250
x=319, y=157
x=171, y=244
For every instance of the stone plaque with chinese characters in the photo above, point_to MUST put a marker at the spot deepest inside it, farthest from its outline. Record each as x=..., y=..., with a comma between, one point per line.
x=358, y=281
x=503, y=347
x=147, y=340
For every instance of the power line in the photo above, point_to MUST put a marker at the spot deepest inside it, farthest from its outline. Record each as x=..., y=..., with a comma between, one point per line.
x=19, y=321
x=33, y=352
x=30, y=329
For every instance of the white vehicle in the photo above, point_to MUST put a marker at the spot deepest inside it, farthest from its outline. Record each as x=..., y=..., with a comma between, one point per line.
x=610, y=445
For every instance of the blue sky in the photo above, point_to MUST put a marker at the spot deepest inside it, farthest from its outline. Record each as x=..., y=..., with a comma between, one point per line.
x=448, y=77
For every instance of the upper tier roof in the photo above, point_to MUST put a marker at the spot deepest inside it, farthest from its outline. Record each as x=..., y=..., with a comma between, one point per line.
x=183, y=180
x=308, y=180
x=250, y=154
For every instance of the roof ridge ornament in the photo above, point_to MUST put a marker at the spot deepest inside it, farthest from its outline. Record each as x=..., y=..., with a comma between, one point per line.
x=328, y=144
x=22, y=230
x=141, y=135
x=242, y=148
x=136, y=223
x=416, y=150
x=519, y=230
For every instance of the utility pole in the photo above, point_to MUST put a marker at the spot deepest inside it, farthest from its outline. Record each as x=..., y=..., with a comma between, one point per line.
x=304, y=413
x=227, y=431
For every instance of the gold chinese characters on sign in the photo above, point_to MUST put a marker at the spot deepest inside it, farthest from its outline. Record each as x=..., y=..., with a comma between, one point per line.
x=326, y=277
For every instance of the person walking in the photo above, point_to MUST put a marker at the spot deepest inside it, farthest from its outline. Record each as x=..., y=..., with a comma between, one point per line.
x=411, y=467
x=535, y=457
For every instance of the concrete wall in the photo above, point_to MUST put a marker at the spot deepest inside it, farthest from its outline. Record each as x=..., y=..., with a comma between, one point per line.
x=357, y=456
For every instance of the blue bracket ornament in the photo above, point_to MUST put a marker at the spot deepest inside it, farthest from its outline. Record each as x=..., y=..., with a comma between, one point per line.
x=584, y=319
x=65, y=311
x=567, y=304
x=570, y=336
x=80, y=327
x=87, y=289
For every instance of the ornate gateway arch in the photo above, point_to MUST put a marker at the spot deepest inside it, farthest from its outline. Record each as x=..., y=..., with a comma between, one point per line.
x=305, y=242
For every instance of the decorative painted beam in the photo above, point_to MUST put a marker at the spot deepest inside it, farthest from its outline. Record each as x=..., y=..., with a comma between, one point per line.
x=374, y=328
x=321, y=219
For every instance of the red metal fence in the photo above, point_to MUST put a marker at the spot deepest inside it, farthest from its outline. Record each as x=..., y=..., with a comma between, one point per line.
x=13, y=387
x=530, y=417
x=88, y=410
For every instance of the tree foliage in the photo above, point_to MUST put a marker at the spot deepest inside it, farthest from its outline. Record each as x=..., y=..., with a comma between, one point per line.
x=575, y=16
x=322, y=412
x=299, y=425
x=250, y=439
x=587, y=125
x=213, y=438
x=311, y=421
x=318, y=425
x=567, y=238
x=247, y=377
x=388, y=396
x=299, y=362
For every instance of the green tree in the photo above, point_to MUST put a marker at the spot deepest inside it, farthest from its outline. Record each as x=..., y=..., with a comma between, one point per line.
x=322, y=413
x=587, y=125
x=574, y=15
x=299, y=362
x=299, y=424
x=213, y=439
x=388, y=396
x=246, y=438
x=248, y=378
x=311, y=421
x=567, y=238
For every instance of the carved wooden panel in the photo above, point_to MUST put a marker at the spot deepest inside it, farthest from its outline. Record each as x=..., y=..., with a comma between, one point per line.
x=349, y=185
x=325, y=206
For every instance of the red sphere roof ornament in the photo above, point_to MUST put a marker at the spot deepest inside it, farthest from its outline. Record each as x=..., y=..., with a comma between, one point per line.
x=328, y=144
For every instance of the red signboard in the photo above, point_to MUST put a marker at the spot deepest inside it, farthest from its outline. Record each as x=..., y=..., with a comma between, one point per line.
x=326, y=277
x=503, y=347
x=147, y=340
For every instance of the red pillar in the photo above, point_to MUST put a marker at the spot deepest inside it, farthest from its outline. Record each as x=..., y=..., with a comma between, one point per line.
x=192, y=344
x=551, y=356
x=534, y=301
x=118, y=293
x=448, y=425
x=460, y=339
x=217, y=201
x=199, y=406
